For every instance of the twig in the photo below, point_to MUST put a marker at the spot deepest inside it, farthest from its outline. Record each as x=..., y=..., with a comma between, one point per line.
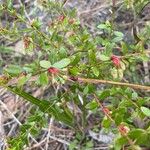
x=92, y=10
x=36, y=145
x=102, y=107
x=5, y=107
x=59, y=140
x=88, y=80
x=1, y=126
x=25, y=12
x=97, y=81
x=96, y=9
x=101, y=148
x=65, y=2
x=55, y=128
x=113, y=121
x=49, y=132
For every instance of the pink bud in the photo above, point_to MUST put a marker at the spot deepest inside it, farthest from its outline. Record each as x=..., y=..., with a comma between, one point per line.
x=53, y=70
x=123, y=129
x=115, y=60
x=106, y=111
x=61, y=18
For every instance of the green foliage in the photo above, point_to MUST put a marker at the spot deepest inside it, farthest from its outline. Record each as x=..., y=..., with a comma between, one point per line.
x=146, y=111
x=46, y=107
x=62, y=54
x=62, y=63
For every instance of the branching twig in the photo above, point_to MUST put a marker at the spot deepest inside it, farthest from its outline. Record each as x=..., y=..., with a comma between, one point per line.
x=113, y=121
x=88, y=80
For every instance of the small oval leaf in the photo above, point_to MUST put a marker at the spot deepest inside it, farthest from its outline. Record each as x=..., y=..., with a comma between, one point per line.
x=146, y=111
x=62, y=63
x=45, y=64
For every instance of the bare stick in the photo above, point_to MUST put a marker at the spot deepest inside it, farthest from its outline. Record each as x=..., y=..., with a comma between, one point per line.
x=49, y=132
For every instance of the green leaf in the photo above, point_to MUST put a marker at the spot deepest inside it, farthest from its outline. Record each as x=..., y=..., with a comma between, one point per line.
x=117, y=73
x=119, y=142
x=45, y=106
x=86, y=90
x=122, y=66
x=118, y=34
x=104, y=94
x=120, y=74
x=136, y=133
x=95, y=71
x=89, y=144
x=9, y=4
x=118, y=118
x=62, y=52
x=141, y=136
x=117, y=39
x=103, y=57
x=91, y=105
x=28, y=69
x=76, y=60
x=134, y=95
x=23, y=80
x=29, y=97
x=43, y=79
x=114, y=73
x=4, y=49
x=102, y=26
x=74, y=71
x=92, y=57
x=124, y=47
x=73, y=145
x=146, y=111
x=62, y=63
x=45, y=64
x=36, y=23
x=13, y=69
x=106, y=123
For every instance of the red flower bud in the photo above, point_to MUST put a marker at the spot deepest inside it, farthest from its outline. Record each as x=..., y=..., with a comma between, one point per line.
x=123, y=129
x=115, y=60
x=53, y=70
x=106, y=111
x=61, y=18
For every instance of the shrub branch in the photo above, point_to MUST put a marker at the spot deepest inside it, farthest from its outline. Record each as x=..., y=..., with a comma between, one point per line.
x=86, y=80
x=97, y=81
